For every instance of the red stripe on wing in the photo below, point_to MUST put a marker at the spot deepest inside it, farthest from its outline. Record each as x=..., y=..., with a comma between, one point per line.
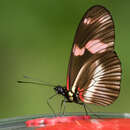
x=68, y=83
x=81, y=94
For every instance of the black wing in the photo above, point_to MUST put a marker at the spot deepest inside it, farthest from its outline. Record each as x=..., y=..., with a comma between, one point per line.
x=95, y=31
x=101, y=85
x=94, y=36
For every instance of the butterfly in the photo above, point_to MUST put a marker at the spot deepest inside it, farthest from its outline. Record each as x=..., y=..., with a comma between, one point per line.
x=94, y=70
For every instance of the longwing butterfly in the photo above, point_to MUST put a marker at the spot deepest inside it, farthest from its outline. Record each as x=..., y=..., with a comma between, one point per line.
x=94, y=70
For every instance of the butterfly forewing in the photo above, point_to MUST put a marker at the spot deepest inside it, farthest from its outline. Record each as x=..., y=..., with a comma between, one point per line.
x=91, y=55
x=95, y=29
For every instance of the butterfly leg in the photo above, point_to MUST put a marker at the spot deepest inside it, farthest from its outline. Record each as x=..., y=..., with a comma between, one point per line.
x=84, y=105
x=97, y=116
x=63, y=105
x=63, y=102
x=48, y=102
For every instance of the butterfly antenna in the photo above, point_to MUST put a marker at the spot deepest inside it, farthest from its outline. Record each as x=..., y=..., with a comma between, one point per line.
x=35, y=82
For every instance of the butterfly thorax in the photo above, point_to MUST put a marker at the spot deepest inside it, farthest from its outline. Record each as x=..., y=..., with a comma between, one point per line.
x=69, y=95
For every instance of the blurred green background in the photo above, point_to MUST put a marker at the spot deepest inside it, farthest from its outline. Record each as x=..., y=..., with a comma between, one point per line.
x=36, y=39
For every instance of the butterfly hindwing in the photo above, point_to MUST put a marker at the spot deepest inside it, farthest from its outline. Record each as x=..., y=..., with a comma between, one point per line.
x=102, y=82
